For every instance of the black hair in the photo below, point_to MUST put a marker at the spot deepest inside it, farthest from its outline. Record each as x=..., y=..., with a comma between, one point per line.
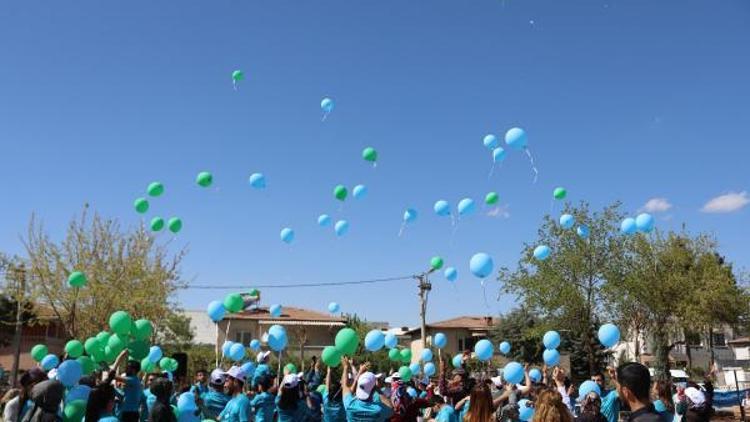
x=99, y=398
x=636, y=378
x=202, y=371
x=161, y=388
x=264, y=381
x=437, y=399
x=289, y=398
x=598, y=374
x=133, y=366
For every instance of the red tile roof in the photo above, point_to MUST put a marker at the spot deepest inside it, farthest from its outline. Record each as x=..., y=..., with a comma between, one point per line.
x=287, y=313
x=467, y=322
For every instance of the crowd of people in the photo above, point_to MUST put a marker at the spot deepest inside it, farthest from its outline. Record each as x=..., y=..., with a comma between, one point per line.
x=353, y=392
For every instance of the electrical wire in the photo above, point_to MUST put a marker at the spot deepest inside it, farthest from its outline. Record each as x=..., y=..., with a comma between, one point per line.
x=293, y=285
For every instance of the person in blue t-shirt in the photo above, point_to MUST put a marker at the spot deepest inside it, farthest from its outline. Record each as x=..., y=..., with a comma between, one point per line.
x=333, y=406
x=360, y=405
x=132, y=390
x=262, y=369
x=101, y=404
x=238, y=408
x=264, y=403
x=443, y=412
x=213, y=402
x=201, y=382
x=291, y=404
x=610, y=400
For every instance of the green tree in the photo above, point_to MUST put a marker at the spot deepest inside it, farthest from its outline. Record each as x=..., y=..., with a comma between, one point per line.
x=379, y=360
x=126, y=270
x=524, y=331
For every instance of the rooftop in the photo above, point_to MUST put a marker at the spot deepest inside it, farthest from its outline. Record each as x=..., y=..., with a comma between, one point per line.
x=288, y=313
x=471, y=323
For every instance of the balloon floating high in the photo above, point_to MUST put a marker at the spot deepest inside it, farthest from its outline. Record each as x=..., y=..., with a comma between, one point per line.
x=451, y=274
x=286, y=235
x=374, y=340
x=410, y=215
x=498, y=155
x=174, y=224
x=326, y=104
x=339, y=192
x=484, y=350
x=436, y=263
x=567, y=221
x=551, y=340
x=559, y=193
x=371, y=155
x=324, y=220
x=333, y=308
x=609, y=335
x=216, y=311
x=490, y=141
x=155, y=189
x=481, y=265
x=257, y=180
x=442, y=208
x=204, y=179
x=440, y=340
x=157, y=223
x=140, y=205
x=504, y=347
x=237, y=76
x=77, y=279
x=341, y=227
x=491, y=198
x=275, y=311
x=466, y=207
x=359, y=191
x=628, y=226
x=583, y=231
x=644, y=223
x=542, y=252
x=516, y=139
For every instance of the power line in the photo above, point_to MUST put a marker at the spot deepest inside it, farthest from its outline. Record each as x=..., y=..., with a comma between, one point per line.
x=293, y=285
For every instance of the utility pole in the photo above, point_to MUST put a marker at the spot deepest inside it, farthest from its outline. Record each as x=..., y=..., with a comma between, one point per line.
x=19, y=274
x=424, y=289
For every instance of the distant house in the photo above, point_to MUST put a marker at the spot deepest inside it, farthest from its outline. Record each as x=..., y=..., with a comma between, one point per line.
x=462, y=333
x=308, y=331
x=44, y=329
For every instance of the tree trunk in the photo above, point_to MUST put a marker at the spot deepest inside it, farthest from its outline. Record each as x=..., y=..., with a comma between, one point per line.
x=661, y=353
x=711, y=347
x=688, y=352
x=638, y=344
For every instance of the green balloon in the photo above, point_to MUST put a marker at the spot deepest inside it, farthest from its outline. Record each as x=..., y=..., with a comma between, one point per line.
x=74, y=349
x=87, y=364
x=91, y=344
x=147, y=365
x=110, y=355
x=116, y=344
x=436, y=263
x=339, y=192
x=233, y=302
x=155, y=189
x=491, y=198
x=369, y=154
x=103, y=337
x=346, y=341
x=405, y=355
x=157, y=223
x=174, y=224
x=321, y=389
x=331, y=357
x=143, y=329
x=137, y=350
x=394, y=355
x=238, y=75
x=140, y=205
x=290, y=368
x=120, y=323
x=168, y=364
x=204, y=179
x=38, y=352
x=77, y=279
x=405, y=373
x=560, y=193
x=74, y=411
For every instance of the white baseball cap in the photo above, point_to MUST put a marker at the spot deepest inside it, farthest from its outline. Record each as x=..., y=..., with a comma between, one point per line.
x=262, y=356
x=237, y=373
x=696, y=396
x=290, y=381
x=365, y=384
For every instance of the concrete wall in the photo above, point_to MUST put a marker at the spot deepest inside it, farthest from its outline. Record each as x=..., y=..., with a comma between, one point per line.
x=318, y=336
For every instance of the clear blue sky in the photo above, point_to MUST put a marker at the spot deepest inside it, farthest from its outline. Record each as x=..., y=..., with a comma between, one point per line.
x=627, y=100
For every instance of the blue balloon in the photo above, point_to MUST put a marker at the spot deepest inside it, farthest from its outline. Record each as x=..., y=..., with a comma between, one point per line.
x=551, y=340
x=155, y=354
x=216, y=311
x=237, y=352
x=324, y=220
x=442, y=208
x=186, y=403
x=645, y=223
x=481, y=265
x=498, y=155
x=359, y=191
x=567, y=221
x=513, y=373
x=457, y=360
x=440, y=340
x=628, y=226
x=49, y=362
x=277, y=338
x=589, y=387
x=255, y=344
x=374, y=340
x=516, y=138
x=542, y=252
x=341, y=227
x=275, y=311
x=505, y=347
x=490, y=141
x=551, y=357
x=426, y=355
x=327, y=105
x=450, y=274
x=429, y=369
x=248, y=368
x=411, y=392
x=78, y=392
x=415, y=369
x=226, y=349
x=484, y=350
x=286, y=235
x=525, y=410
x=69, y=372
x=334, y=308
x=583, y=231
x=257, y=180
x=609, y=335
x=410, y=215
x=466, y=207
x=535, y=375
x=391, y=340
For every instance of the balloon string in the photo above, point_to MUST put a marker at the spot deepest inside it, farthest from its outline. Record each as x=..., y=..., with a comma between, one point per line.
x=492, y=171
x=325, y=114
x=234, y=85
x=401, y=230
x=484, y=294
x=533, y=166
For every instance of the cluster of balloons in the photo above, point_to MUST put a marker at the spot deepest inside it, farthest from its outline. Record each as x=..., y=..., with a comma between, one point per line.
x=551, y=342
x=156, y=189
x=233, y=303
x=345, y=344
x=233, y=351
x=643, y=223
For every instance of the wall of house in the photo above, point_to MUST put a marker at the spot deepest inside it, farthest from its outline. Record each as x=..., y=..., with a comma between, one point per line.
x=52, y=335
x=317, y=336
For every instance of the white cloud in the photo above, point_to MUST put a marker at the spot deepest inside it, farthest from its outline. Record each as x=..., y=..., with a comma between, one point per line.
x=657, y=205
x=499, y=212
x=729, y=202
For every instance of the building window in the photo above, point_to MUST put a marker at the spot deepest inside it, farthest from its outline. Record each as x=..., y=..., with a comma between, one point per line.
x=243, y=337
x=719, y=340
